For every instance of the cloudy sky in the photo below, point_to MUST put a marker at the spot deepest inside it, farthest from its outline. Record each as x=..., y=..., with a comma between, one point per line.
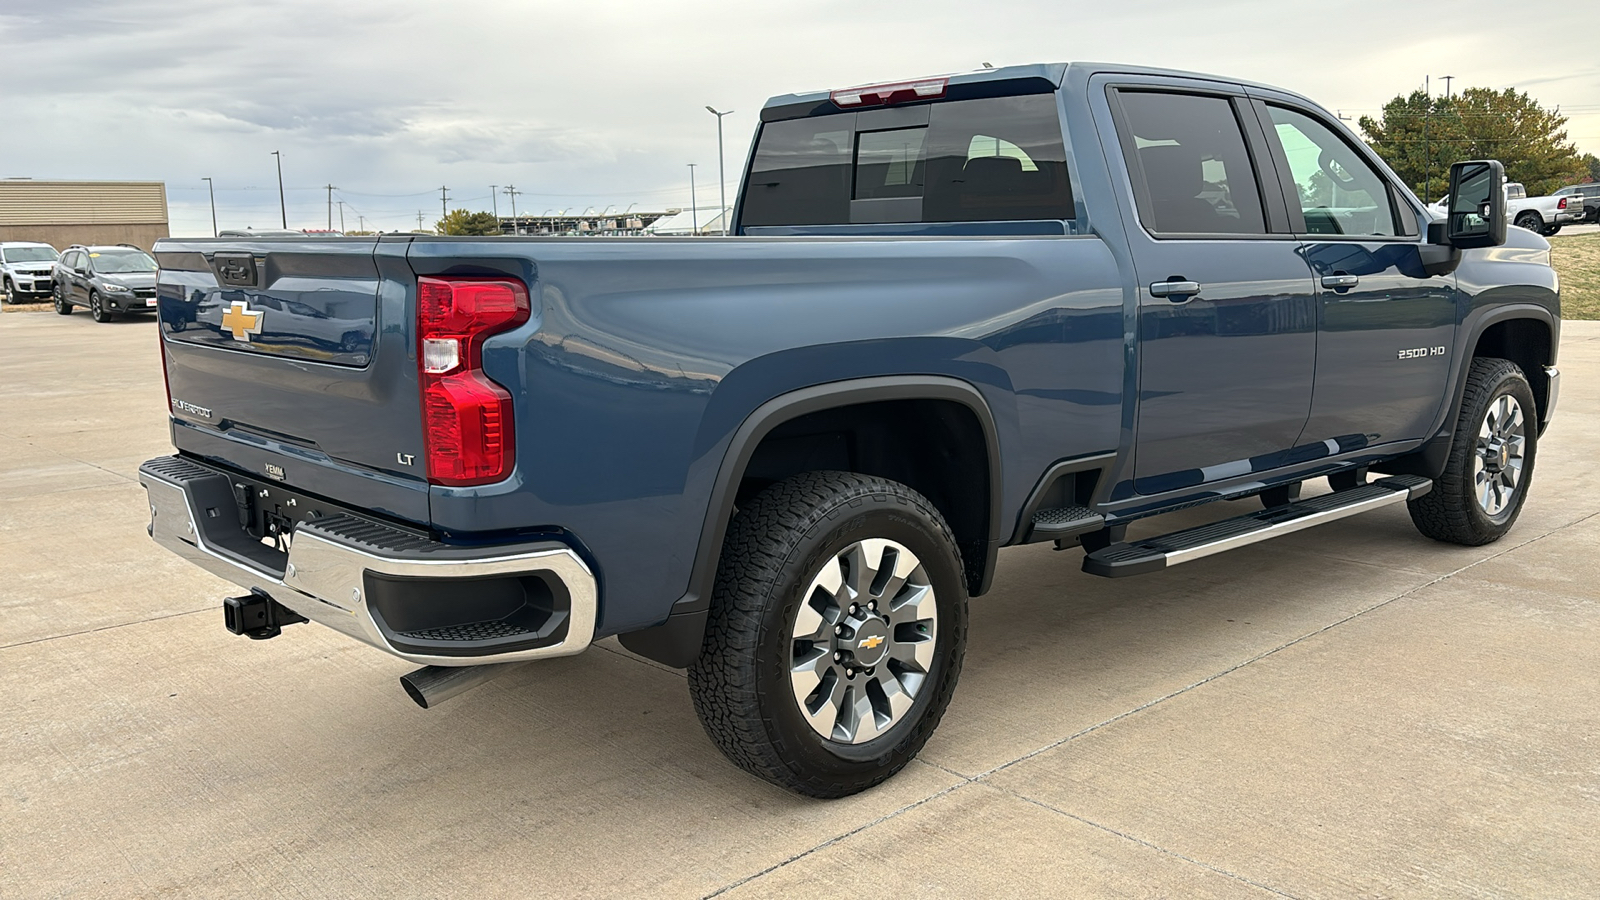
x=582, y=103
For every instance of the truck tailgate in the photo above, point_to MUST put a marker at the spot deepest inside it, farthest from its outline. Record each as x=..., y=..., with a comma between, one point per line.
x=278, y=363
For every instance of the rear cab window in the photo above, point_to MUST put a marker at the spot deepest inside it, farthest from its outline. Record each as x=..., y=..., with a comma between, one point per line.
x=991, y=159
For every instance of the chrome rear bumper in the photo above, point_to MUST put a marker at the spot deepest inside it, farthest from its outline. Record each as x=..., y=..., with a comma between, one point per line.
x=325, y=574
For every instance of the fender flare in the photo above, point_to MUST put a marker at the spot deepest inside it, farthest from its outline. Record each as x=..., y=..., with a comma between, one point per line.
x=676, y=642
x=1429, y=460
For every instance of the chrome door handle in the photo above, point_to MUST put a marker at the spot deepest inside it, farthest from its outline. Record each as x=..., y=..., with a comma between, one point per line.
x=1174, y=290
x=1340, y=282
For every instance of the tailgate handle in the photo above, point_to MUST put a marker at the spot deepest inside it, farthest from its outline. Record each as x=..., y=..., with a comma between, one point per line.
x=235, y=269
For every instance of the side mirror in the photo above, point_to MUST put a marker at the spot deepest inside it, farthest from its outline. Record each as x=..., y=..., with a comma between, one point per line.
x=1477, y=214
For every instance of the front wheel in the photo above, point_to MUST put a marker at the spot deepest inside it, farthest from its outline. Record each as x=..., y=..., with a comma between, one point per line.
x=836, y=633
x=62, y=306
x=1490, y=467
x=97, y=308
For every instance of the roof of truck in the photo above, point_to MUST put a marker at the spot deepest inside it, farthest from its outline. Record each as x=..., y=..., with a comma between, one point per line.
x=1054, y=73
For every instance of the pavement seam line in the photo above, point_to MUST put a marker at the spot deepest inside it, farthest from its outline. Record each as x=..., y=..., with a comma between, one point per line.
x=1266, y=653
x=85, y=462
x=839, y=837
x=57, y=637
x=1144, y=843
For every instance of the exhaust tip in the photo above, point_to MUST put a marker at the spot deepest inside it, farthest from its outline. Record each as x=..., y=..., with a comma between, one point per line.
x=430, y=686
x=412, y=691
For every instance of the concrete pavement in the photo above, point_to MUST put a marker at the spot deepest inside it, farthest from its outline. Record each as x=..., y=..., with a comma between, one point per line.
x=1350, y=711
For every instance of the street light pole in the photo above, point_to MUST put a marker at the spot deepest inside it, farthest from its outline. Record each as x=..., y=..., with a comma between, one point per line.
x=494, y=201
x=283, y=208
x=694, y=211
x=341, y=215
x=722, y=179
x=331, y=189
x=211, y=189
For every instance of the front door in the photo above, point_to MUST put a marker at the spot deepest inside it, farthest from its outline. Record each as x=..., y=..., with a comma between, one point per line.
x=1387, y=327
x=1227, y=315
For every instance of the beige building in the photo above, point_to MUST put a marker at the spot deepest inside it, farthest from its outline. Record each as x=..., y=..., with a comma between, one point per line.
x=63, y=213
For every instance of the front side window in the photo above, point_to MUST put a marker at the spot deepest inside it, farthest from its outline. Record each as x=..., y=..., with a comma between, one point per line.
x=1338, y=190
x=1191, y=155
x=991, y=159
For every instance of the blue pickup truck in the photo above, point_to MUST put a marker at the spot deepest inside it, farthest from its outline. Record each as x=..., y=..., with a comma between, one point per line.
x=1027, y=304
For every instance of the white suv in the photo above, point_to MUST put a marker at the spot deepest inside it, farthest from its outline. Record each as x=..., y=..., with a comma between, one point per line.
x=27, y=270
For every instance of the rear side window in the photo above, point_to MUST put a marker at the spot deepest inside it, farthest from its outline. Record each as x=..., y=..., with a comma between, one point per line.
x=993, y=159
x=1190, y=153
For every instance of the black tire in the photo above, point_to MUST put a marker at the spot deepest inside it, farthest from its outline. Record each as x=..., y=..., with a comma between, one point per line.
x=97, y=309
x=6, y=293
x=1531, y=221
x=1552, y=230
x=741, y=683
x=1452, y=512
x=62, y=306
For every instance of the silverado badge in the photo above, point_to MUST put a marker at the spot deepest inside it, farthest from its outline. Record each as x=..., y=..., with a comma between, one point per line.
x=242, y=320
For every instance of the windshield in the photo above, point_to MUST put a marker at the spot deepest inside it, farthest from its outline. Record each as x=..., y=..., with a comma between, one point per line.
x=121, y=262
x=29, y=254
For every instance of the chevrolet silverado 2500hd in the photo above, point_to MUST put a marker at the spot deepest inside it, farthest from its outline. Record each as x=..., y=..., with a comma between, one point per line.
x=1028, y=304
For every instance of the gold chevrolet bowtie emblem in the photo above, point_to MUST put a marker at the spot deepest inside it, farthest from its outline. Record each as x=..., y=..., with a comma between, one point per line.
x=870, y=643
x=242, y=320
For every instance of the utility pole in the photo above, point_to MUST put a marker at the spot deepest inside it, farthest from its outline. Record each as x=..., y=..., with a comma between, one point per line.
x=283, y=208
x=331, y=189
x=494, y=201
x=361, y=223
x=722, y=180
x=211, y=189
x=444, y=203
x=341, y=215
x=512, y=192
x=419, y=220
x=694, y=211
x=1427, y=153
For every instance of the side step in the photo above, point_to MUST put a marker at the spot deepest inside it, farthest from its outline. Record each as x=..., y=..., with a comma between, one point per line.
x=1066, y=521
x=1154, y=554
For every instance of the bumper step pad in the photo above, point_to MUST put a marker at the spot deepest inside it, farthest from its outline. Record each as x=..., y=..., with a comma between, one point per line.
x=1157, y=553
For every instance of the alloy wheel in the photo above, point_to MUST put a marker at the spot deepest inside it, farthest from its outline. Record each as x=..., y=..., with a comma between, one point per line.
x=1497, y=464
x=863, y=641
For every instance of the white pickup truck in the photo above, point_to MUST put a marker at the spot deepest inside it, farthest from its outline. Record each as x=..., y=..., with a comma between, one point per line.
x=1540, y=215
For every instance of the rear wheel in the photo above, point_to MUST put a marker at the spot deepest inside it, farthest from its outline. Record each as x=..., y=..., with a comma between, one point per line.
x=97, y=308
x=1490, y=467
x=1531, y=221
x=836, y=633
x=62, y=306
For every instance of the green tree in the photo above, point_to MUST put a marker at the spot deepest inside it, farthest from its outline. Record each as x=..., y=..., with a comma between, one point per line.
x=1420, y=136
x=460, y=221
x=1593, y=163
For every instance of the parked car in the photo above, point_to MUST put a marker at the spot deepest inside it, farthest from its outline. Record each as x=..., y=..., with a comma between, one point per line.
x=109, y=280
x=1590, y=195
x=1540, y=215
x=1020, y=305
x=26, y=270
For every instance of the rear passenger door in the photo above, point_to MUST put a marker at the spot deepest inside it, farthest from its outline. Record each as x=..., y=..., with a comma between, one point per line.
x=1226, y=314
x=1386, y=326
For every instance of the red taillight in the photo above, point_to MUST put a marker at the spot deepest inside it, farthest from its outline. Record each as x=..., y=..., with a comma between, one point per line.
x=885, y=94
x=466, y=418
x=1562, y=204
